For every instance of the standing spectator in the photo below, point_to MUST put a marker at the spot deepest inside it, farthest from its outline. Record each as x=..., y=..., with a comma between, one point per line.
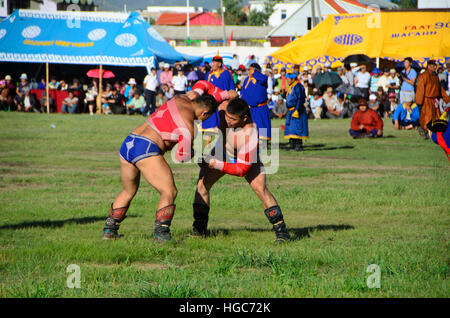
x=408, y=77
x=70, y=103
x=366, y=122
x=349, y=75
x=317, y=105
x=374, y=79
x=254, y=92
x=349, y=107
x=269, y=75
x=235, y=63
x=166, y=75
x=392, y=106
x=150, y=89
x=340, y=72
x=382, y=82
x=63, y=85
x=296, y=126
x=202, y=72
x=406, y=116
x=91, y=97
x=42, y=84
x=393, y=82
x=362, y=80
x=54, y=84
x=128, y=93
x=220, y=77
x=429, y=91
x=180, y=83
x=250, y=61
x=383, y=102
x=282, y=82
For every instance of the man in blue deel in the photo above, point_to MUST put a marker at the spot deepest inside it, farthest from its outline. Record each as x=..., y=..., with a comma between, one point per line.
x=296, y=127
x=254, y=92
x=222, y=79
x=406, y=116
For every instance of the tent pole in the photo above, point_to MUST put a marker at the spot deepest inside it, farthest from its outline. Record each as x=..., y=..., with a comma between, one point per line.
x=47, y=99
x=100, y=91
x=378, y=63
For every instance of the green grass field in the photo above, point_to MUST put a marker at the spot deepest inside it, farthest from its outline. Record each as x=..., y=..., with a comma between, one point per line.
x=348, y=204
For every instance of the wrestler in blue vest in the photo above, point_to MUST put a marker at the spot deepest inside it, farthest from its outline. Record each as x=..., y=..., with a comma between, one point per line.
x=296, y=118
x=254, y=92
x=222, y=79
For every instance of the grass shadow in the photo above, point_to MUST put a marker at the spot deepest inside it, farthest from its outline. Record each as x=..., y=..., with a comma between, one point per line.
x=53, y=223
x=296, y=233
x=316, y=147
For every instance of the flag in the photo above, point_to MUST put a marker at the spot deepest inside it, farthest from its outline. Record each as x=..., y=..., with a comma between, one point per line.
x=231, y=38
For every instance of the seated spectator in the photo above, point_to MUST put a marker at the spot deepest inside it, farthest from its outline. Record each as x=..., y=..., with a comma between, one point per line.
x=137, y=104
x=160, y=99
x=406, y=116
x=116, y=102
x=26, y=101
x=168, y=91
x=279, y=109
x=331, y=104
x=70, y=103
x=6, y=100
x=349, y=107
x=366, y=122
x=317, y=105
x=373, y=103
x=105, y=96
x=129, y=90
x=392, y=106
x=44, y=103
x=23, y=83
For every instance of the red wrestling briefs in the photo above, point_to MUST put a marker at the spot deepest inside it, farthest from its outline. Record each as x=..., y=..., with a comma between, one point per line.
x=247, y=154
x=202, y=87
x=169, y=124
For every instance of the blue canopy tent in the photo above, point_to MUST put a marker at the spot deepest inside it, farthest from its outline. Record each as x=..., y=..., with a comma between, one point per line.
x=71, y=37
x=84, y=38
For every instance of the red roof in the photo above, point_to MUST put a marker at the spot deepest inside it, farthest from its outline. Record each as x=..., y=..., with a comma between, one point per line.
x=201, y=18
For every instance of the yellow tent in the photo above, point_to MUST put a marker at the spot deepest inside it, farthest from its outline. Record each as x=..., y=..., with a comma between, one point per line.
x=392, y=35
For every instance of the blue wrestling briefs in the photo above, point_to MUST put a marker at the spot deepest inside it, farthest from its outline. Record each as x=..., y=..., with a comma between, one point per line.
x=135, y=148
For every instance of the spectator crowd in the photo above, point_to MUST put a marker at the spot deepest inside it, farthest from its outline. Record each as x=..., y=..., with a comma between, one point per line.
x=398, y=94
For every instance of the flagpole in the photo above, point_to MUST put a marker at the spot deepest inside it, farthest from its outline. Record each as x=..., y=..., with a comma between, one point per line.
x=187, y=23
x=223, y=23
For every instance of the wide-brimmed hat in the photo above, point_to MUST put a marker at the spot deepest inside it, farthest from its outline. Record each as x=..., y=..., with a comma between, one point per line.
x=8, y=77
x=372, y=97
x=166, y=65
x=291, y=75
x=276, y=90
x=23, y=76
x=362, y=102
x=132, y=81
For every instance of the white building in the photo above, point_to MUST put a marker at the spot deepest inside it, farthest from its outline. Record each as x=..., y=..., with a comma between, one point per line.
x=433, y=4
x=281, y=10
x=178, y=9
x=300, y=21
x=3, y=9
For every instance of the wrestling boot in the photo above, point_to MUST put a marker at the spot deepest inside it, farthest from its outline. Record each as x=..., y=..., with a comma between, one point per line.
x=298, y=145
x=200, y=225
x=275, y=217
x=291, y=145
x=116, y=216
x=163, y=220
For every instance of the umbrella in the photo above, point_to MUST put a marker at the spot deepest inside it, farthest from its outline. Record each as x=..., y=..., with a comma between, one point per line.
x=349, y=90
x=357, y=58
x=95, y=73
x=327, y=79
x=192, y=76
